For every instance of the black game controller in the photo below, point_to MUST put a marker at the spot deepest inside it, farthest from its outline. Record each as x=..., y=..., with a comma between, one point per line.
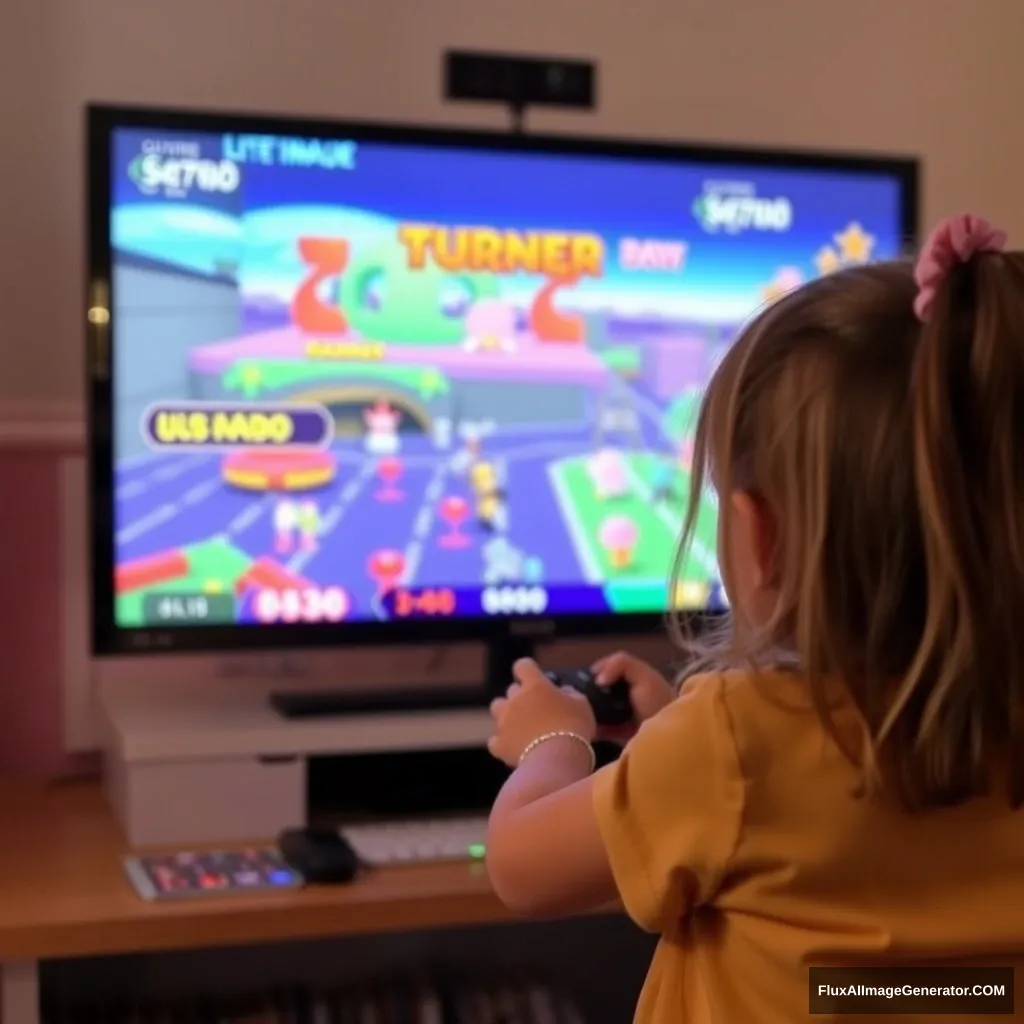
x=611, y=705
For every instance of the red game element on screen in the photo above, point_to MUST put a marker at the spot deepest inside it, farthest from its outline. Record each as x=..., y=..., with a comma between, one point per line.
x=385, y=567
x=266, y=574
x=389, y=472
x=454, y=511
x=438, y=601
x=151, y=571
x=326, y=259
x=547, y=323
x=434, y=601
x=280, y=469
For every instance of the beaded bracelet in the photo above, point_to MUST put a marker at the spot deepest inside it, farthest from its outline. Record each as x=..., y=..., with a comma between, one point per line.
x=559, y=735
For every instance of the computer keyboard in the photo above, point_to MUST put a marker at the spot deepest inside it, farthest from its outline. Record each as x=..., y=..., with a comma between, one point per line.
x=418, y=841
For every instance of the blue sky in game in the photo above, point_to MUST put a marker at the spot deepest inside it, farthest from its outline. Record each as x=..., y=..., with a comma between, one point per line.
x=255, y=226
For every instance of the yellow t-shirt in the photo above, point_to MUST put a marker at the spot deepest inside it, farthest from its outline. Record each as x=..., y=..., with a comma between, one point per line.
x=733, y=831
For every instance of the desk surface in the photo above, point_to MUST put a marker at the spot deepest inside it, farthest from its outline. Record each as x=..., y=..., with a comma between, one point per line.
x=63, y=891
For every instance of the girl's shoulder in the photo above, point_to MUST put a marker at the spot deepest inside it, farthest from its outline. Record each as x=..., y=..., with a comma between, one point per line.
x=773, y=721
x=780, y=686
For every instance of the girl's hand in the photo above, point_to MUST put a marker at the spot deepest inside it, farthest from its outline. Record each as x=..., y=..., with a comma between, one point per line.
x=533, y=706
x=649, y=690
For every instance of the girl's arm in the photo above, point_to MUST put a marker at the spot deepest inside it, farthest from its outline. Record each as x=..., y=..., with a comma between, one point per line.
x=658, y=828
x=545, y=854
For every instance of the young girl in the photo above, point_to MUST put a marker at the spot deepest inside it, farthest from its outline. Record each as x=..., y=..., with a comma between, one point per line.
x=840, y=784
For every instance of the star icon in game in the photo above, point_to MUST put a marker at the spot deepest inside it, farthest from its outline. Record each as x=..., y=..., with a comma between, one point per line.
x=855, y=244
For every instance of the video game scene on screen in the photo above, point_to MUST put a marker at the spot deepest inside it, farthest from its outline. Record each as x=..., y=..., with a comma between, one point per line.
x=370, y=382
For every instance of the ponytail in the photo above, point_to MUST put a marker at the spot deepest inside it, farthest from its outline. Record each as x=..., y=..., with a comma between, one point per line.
x=957, y=721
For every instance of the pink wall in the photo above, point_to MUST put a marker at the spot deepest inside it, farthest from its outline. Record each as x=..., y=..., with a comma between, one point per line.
x=30, y=621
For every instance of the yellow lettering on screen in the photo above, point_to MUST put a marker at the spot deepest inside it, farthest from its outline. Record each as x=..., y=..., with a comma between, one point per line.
x=177, y=427
x=415, y=237
x=485, y=250
x=555, y=256
x=522, y=252
x=558, y=254
x=450, y=249
x=587, y=255
x=366, y=351
x=274, y=428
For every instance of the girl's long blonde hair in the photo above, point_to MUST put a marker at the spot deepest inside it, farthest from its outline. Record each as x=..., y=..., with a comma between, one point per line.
x=890, y=456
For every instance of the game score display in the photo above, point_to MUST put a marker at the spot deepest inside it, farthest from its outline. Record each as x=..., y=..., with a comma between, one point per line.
x=332, y=605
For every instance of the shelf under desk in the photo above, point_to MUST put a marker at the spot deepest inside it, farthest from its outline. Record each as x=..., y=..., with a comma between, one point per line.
x=64, y=895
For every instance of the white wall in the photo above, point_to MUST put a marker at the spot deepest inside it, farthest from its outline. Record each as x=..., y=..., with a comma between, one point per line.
x=935, y=77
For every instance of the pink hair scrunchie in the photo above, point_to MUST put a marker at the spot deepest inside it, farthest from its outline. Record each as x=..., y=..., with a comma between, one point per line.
x=954, y=240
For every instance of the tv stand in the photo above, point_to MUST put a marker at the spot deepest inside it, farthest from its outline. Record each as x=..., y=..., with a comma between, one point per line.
x=241, y=749
x=231, y=768
x=501, y=656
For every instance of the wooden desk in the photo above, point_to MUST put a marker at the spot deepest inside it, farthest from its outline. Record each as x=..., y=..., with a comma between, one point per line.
x=64, y=894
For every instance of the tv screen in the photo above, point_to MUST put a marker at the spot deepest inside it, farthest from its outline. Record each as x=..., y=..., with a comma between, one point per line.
x=377, y=377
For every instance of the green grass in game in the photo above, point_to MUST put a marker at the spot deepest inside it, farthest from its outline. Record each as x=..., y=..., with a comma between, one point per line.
x=254, y=377
x=642, y=585
x=213, y=568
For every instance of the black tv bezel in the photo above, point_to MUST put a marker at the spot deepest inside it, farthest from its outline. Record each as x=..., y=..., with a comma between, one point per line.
x=101, y=122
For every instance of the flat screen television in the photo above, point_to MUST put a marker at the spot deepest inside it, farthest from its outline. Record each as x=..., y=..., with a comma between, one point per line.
x=367, y=383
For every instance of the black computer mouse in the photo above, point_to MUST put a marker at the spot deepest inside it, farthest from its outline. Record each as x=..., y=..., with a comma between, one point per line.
x=320, y=855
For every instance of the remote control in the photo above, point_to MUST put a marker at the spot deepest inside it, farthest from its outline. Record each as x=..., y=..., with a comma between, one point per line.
x=611, y=705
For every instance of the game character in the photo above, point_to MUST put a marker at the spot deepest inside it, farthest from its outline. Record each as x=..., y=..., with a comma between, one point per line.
x=503, y=562
x=490, y=327
x=286, y=519
x=382, y=421
x=308, y=522
x=491, y=510
x=609, y=474
x=500, y=520
x=500, y=515
x=618, y=536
